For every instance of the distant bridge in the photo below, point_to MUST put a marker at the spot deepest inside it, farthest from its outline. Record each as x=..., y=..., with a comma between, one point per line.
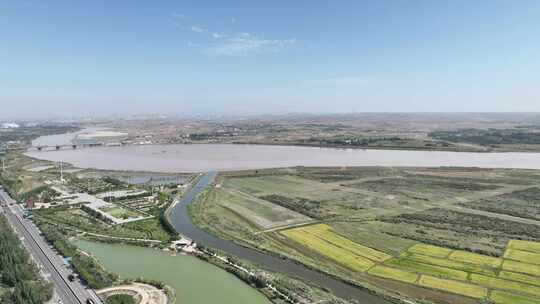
x=63, y=147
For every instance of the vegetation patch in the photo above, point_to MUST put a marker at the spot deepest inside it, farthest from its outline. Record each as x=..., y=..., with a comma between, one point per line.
x=452, y=264
x=522, y=256
x=326, y=233
x=523, y=203
x=520, y=277
x=258, y=211
x=489, y=137
x=394, y=274
x=498, y=283
x=20, y=282
x=470, y=290
x=418, y=267
x=524, y=245
x=121, y=212
x=467, y=224
x=120, y=299
x=88, y=268
x=343, y=256
x=503, y=297
x=476, y=259
x=521, y=267
x=430, y=250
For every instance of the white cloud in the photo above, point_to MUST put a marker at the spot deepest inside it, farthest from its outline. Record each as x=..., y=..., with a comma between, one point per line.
x=217, y=35
x=245, y=43
x=197, y=29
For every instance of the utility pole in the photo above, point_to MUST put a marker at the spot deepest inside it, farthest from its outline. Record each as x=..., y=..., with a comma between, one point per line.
x=3, y=165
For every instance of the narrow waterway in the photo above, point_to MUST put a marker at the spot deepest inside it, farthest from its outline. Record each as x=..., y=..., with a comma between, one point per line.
x=182, y=223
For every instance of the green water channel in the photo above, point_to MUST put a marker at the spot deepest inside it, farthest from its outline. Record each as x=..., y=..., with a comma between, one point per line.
x=194, y=281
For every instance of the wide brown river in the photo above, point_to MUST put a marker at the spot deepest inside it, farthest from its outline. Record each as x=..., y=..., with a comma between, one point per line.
x=222, y=157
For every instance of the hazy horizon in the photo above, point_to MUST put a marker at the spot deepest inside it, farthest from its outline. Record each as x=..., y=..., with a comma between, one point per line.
x=102, y=58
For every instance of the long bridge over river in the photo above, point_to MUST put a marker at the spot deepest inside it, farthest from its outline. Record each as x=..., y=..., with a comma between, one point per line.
x=64, y=147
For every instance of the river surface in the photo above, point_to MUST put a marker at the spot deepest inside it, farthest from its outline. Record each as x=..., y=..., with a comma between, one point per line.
x=193, y=280
x=181, y=221
x=223, y=157
x=61, y=139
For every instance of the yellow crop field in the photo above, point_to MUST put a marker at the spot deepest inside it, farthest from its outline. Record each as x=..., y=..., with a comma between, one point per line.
x=521, y=267
x=502, y=297
x=524, y=245
x=498, y=283
x=434, y=270
x=452, y=264
x=474, y=258
x=470, y=290
x=393, y=273
x=325, y=232
x=434, y=251
x=522, y=256
x=525, y=278
x=340, y=255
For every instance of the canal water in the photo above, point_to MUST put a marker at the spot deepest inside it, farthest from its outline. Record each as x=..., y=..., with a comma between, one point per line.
x=194, y=281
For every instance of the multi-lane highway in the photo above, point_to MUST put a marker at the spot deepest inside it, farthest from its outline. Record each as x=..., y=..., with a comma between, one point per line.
x=49, y=262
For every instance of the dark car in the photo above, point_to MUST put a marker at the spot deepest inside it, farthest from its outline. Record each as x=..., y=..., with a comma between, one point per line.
x=90, y=301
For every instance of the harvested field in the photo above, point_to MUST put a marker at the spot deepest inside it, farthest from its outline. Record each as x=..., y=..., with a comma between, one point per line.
x=452, y=264
x=498, y=283
x=520, y=277
x=524, y=245
x=326, y=233
x=521, y=267
x=522, y=256
x=503, y=297
x=429, y=250
x=418, y=267
x=476, y=259
x=339, y=255
x=394, y=274
x=470, y=290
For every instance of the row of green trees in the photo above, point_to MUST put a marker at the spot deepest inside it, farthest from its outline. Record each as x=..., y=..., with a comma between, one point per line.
x=17, y=272
x=88, y=268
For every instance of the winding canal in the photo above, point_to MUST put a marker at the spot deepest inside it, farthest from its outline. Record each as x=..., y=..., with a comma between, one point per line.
x=181, y=221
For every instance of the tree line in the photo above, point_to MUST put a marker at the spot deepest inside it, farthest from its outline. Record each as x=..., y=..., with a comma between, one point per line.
x=19, y=277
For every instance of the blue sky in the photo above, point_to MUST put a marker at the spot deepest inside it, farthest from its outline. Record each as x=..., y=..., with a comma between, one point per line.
x=227, y=57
